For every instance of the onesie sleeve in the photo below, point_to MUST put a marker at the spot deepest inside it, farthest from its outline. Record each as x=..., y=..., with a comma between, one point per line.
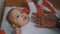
x=32, y=6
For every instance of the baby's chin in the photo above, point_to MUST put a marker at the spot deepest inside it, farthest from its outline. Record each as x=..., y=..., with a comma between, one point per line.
x=26, y=22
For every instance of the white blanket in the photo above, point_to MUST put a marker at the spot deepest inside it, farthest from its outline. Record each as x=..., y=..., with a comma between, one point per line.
x=27, y=29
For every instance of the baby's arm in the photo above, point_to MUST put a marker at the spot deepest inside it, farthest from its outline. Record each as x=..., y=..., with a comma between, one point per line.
x=31, y=5
x=16, y=29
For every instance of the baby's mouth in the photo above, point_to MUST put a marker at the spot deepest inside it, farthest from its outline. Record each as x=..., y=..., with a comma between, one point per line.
x=25, y=18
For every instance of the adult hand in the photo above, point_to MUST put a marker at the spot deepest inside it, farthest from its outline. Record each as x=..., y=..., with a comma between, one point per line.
x=48, y=20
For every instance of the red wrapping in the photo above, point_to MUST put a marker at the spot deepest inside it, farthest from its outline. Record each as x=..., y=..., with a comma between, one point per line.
x=39, y=10
x=2, y=32
x=26, y=10
x=45, y=3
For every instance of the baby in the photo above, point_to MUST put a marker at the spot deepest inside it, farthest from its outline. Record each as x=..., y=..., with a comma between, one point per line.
x=17, y=18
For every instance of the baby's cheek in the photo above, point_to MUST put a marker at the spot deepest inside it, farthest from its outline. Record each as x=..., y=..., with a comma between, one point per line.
x=17, y=22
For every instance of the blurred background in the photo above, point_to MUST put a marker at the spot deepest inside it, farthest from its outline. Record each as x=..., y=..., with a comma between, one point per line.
x=1, y=6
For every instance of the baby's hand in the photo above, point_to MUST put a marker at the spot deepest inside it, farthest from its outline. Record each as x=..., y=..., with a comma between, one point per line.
x=16, y=29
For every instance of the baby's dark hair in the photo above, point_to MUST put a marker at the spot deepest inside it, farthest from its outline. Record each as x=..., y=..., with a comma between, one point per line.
x=8, y=16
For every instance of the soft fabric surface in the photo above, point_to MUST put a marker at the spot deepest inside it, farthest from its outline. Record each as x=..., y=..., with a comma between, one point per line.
x=27, y=29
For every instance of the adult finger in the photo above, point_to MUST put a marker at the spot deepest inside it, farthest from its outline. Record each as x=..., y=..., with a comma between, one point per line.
x=35, y=19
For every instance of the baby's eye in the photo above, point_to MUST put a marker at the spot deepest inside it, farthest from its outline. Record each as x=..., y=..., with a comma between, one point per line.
x=17, y=16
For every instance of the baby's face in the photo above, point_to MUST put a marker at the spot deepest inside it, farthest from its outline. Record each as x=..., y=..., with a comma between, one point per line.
x=18, y=17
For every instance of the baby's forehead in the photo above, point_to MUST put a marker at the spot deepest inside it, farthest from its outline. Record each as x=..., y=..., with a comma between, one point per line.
x=14, y=12
x=15, y=9
x=18, y=9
